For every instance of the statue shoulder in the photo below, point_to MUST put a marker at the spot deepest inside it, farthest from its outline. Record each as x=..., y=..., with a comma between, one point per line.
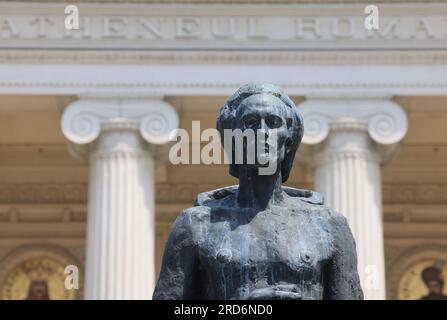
x=225, y=196
x=308, y=196
x=341, y=230
x=185, y=225
x=337, y=219
x=216, y=197
x=191, y=216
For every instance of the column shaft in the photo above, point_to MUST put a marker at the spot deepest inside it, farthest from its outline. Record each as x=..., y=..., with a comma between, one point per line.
x=348, y=174
x=120, y=241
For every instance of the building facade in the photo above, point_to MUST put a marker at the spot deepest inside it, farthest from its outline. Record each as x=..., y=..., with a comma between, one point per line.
x=85, y=116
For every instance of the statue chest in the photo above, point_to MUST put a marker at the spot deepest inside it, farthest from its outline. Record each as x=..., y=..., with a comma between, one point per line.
x=267, y=250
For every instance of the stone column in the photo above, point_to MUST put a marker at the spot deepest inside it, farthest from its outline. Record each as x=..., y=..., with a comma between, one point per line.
x=350, y=138
x=117, y=135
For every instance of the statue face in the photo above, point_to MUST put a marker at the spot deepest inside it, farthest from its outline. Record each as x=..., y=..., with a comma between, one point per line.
x=266, y=115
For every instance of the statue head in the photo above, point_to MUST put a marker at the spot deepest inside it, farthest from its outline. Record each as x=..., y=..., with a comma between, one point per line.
x=263, y=106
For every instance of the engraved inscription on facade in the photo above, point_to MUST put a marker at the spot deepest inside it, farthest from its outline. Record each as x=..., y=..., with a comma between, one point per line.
x=222, y=31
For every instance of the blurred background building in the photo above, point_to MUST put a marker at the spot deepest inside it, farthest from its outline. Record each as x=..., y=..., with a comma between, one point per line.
x=84, y=175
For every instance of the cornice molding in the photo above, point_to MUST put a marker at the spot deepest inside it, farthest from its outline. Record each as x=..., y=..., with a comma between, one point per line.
x=228, y=1
x=218, y=79
x=197, y=87
x=200, y=57
x=225, y=85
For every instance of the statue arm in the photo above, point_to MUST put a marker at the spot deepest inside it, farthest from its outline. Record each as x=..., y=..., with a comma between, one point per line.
x=177, y=275
x=341, y=278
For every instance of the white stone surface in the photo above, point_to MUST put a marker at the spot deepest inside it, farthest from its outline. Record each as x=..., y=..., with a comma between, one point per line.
x=121, y=217
x=221, y=79
x=346, y=133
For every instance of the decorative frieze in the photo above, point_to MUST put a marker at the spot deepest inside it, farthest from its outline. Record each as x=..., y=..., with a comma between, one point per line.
x=415, y=193
x=35, y=193
x=76, y=193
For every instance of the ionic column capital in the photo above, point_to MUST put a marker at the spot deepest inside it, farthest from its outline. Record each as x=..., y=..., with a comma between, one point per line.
x=384, y=120
x=86, y=119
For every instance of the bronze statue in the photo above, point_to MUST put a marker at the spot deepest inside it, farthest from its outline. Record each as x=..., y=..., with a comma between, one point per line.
x=260, y=240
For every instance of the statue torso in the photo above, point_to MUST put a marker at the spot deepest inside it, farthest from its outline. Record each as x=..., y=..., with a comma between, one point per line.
x=280, y=252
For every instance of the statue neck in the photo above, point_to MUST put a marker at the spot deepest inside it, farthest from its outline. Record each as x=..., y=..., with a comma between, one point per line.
x=259, y=191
